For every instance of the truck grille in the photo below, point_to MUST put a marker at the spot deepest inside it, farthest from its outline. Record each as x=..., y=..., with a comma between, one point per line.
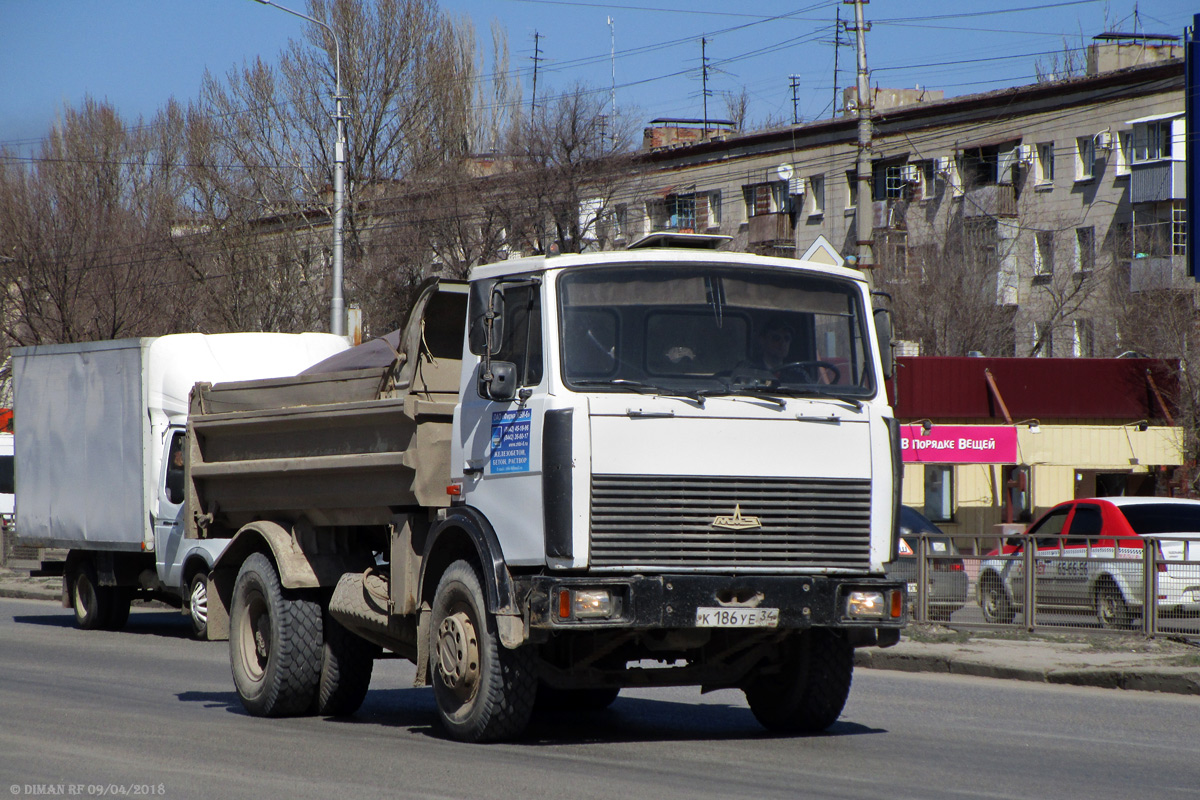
x=666, y=522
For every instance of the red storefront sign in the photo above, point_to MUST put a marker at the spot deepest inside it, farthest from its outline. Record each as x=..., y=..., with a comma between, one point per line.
x=959, y=444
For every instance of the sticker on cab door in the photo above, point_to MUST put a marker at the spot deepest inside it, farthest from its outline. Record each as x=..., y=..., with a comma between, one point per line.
x=510, y=441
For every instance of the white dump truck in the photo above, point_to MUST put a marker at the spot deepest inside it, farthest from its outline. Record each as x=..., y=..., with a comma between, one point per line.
x=99, y=468
x=573, y=474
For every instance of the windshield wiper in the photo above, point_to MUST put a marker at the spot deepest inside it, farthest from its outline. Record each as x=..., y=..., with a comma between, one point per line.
x=645, y=388
x=757, y=392
x=826, y=394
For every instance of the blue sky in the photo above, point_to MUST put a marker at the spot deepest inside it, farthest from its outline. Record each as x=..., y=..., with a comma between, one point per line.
x=138, y=53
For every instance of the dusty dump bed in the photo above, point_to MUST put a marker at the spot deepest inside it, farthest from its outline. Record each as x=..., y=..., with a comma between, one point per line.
x=351, y=447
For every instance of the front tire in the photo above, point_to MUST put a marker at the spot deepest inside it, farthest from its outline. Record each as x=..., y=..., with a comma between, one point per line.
x=809, y=691
x=275, y=643
x=197, y=604
x=484, y=691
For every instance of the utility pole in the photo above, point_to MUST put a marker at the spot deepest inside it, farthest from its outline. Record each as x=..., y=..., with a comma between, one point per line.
x=337, y=305
x=704, y=82
x=612, y=33
x=795, y=99
x=537, y=59
x=837, y=47
x=864, y=255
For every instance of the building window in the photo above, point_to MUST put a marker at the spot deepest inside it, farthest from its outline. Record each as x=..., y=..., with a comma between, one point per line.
x=851, y=189
x=685, y=213
x=1082, y=338
x=1152, y=141
x=1085, y=158
x=939, y=492
x=766, y=198
x=1124, y=151
x=1043, y=340
x=1045, y=162
x=1043, y=253
x=816, y=195
x=1085, y=249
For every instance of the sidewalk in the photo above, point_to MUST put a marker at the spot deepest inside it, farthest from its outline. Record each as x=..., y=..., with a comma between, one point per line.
x=1105, y=661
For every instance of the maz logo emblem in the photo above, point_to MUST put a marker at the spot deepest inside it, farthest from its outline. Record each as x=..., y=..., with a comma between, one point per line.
x=737, y=522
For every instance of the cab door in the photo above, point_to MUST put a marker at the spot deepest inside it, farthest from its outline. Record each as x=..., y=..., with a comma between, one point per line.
x=501, y=417
x=168, y=536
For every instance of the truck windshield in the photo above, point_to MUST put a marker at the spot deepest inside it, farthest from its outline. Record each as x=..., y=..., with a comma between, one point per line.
x=699, y=330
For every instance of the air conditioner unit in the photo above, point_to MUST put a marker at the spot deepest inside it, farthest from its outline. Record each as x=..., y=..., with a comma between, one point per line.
x=1104, y=140
x=797, y=186
x=1025, y=153
x=910, y=173
x=943, y=165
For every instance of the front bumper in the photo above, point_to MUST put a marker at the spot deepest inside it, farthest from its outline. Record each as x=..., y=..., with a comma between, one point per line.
x=648, y=602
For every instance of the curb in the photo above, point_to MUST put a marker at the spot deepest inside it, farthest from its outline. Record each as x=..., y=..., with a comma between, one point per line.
x=1170, y=680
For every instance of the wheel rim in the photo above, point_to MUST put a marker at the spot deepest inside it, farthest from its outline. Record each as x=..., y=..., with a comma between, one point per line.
x=991, y=601
x=1107, y=607
x=458, y=655
x=199, y=602
x=85, y=597
x=254, y=637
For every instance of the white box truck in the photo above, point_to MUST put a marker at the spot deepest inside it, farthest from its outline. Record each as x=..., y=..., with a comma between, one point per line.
x=98, y=467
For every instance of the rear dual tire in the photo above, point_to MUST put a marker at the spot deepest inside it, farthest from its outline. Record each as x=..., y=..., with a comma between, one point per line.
x=97, y=607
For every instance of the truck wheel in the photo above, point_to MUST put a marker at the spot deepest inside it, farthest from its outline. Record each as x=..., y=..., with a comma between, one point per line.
x=275, y=643
x=197, y=604
x=92, y=603
x=484, y=691
x=120, y=598
x=810, y=691
x=997, y=609
x=346, y=666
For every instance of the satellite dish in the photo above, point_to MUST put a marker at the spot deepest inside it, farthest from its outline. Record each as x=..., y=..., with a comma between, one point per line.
x=784, y=171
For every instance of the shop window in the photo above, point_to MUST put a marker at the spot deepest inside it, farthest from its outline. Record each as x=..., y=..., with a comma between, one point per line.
x=939, y=492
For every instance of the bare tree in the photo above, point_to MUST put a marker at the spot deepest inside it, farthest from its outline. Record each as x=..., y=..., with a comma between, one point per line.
x=83, y=230
x=570, y=159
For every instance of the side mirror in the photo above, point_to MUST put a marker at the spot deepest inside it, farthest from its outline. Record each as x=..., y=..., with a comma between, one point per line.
x=883, y=331
x=500, y=383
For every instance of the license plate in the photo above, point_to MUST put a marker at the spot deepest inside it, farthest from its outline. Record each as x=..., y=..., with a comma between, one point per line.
x=737, y=617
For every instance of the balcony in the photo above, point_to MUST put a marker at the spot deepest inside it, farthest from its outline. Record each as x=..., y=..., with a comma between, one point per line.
x=770, y=229
x=1157, y=181
x=995, y=200
x=889, y=214
x=1157, y=272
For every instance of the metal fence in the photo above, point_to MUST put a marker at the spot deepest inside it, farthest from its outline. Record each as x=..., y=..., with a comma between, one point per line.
x=1149, y=584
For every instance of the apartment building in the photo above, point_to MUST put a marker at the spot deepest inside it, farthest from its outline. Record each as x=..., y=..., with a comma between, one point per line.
x=1065, y=194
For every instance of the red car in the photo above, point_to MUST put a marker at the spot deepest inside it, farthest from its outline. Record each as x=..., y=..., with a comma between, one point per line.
x=1090, y=559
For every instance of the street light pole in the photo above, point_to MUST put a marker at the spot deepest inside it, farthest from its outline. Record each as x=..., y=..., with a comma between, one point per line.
x=337, y=307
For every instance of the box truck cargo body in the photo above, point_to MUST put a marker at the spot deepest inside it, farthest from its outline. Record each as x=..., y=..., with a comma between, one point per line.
x=99, y=456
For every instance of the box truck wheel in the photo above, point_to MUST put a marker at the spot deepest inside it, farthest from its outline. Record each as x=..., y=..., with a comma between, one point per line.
x=484, y=691
x=275, y=643
x=809, y=691
x=197, y=604
x=97, y=607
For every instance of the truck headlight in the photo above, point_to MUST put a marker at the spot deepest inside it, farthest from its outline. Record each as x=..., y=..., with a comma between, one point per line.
x=585, y=603
x=874, y=605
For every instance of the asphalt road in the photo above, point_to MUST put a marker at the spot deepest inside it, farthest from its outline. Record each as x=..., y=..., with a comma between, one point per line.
x=149, y=712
